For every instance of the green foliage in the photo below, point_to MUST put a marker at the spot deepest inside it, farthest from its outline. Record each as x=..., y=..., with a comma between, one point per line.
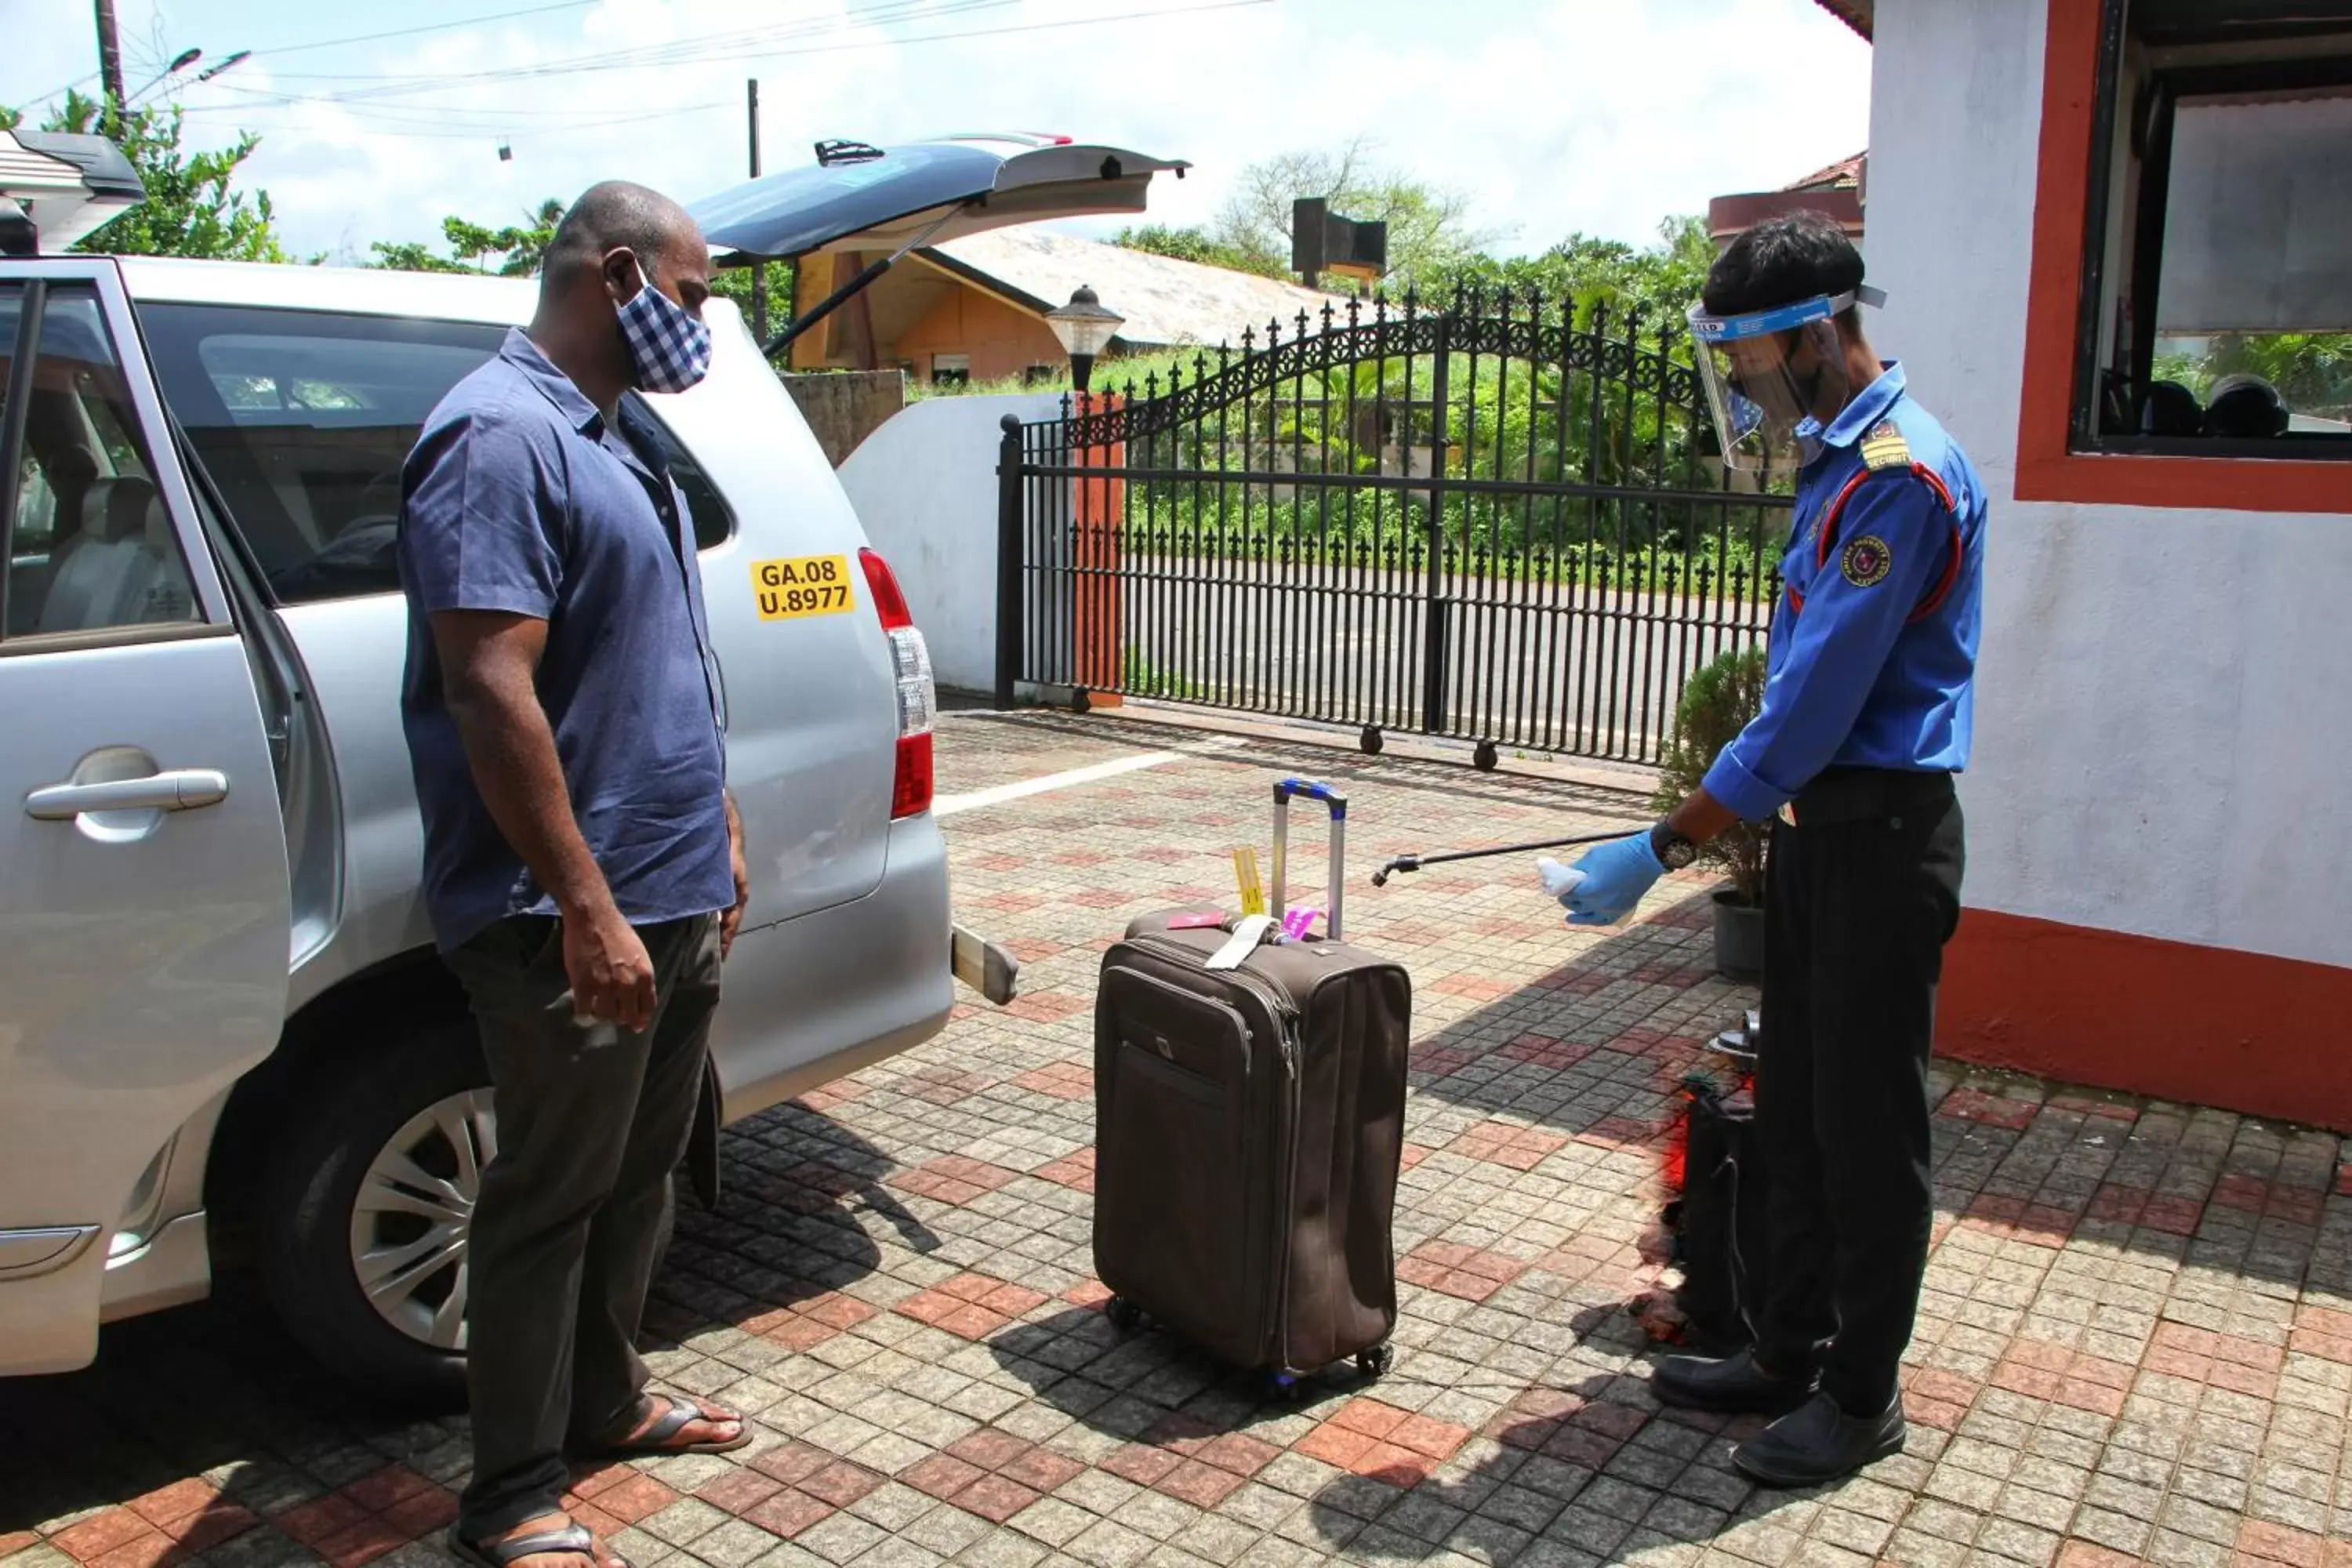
x=1196, y=244
x=192, y=206
x=411, y=256
x=1717, y=703
x=735, y=283
x=2312, y=371
x=513, y=251
x=1661, y=281
x=1428, y=228
x=1137, y=375
x=517, y=246
x=1145, y=678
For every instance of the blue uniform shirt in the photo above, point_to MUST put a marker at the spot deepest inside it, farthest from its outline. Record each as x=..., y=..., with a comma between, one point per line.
x=1874, y=647
x=518, y=498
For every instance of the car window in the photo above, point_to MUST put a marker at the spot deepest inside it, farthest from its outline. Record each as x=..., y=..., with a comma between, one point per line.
x=90, y=544
x=303, y=419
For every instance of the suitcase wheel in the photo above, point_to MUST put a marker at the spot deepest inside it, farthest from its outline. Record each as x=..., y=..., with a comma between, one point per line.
x=1375, y=1362
x=1285, y=1387
x=1125, y=1315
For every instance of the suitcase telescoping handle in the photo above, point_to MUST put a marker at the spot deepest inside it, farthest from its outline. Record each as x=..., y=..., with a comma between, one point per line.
x=1337, y=800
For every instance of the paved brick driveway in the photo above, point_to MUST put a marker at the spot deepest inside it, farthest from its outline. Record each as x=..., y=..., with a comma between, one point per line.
x=2136, y=1341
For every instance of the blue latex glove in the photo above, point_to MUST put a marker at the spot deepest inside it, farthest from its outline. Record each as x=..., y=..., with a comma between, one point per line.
x=1616, y=875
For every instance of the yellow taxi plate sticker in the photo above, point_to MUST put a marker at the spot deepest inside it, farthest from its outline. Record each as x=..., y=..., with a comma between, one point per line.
x=804, y=585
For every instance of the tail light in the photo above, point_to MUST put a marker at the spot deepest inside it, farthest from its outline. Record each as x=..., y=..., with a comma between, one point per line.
x=910, y=668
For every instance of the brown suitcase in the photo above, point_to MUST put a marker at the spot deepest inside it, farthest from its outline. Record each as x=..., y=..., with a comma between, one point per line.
x=1248, y=1128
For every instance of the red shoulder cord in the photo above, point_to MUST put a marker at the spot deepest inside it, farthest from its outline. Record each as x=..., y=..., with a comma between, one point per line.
x=1827, y=536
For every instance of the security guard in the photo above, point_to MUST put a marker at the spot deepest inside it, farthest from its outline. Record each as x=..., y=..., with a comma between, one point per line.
x=1864, y=722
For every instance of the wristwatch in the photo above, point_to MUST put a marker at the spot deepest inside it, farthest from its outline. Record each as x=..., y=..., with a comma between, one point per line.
x=1674, y=852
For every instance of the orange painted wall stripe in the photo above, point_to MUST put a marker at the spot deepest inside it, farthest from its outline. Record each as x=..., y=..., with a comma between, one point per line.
x=2172, y=1020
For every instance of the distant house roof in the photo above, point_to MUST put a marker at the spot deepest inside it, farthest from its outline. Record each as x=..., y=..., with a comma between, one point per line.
x=1842, y=176
x=1835, y=190
x=1854, y=14
x=1167, y=302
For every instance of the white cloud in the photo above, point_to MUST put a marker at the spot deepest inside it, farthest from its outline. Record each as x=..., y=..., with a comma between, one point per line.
x=1555, y=115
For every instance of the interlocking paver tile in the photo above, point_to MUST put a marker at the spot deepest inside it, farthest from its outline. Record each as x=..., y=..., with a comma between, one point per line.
x=2135, y=1341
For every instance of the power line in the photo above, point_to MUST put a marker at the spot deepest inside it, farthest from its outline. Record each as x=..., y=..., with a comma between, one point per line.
x=316, y=44
x=416, y=129
x=676, y=51
x=747, y=33
x=735, y=45
x=428, y=27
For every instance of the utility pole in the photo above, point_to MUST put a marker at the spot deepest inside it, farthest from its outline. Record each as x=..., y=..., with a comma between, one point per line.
x=759, y=268
x=109, y=66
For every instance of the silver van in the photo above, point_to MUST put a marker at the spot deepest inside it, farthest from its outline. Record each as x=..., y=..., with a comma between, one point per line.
x=224, y=1035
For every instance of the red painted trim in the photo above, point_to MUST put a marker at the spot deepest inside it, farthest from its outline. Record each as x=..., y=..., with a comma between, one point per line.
x=2210, y=1025
x=1097, y=636
x=1825, y=539
x=2046, y=470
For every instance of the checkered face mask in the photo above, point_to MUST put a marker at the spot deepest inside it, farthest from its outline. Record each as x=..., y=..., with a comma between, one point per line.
x=669, y=351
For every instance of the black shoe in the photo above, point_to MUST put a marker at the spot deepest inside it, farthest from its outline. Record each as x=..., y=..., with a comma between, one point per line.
x=1735, y=1385
x=1820, y=1443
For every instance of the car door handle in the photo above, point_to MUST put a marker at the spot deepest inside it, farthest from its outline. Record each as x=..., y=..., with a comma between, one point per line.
x=182, y=789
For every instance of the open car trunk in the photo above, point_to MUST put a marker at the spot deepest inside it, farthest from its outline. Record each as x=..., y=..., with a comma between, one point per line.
x=861, y=199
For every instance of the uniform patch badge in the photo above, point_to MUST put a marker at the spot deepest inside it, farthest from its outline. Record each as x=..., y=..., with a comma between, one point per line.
x=1885, y=447
x=1866, y=561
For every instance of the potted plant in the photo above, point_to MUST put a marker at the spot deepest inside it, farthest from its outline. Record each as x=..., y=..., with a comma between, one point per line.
x=1715, y=705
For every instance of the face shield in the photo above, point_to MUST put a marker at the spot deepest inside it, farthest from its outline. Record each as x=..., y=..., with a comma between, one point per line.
x=1771, y=374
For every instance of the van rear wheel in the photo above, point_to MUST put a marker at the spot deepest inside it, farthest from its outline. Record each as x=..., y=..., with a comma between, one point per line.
x=368, y=1209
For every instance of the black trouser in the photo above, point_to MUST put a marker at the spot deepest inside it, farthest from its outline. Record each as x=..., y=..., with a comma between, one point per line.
x=1862, y=893
x=592, y=1120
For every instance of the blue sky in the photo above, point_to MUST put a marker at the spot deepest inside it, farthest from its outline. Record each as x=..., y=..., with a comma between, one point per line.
x=1552, y=115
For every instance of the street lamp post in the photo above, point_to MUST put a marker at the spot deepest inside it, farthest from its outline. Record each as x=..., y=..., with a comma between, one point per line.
x=1085, y=327
x=187, y=57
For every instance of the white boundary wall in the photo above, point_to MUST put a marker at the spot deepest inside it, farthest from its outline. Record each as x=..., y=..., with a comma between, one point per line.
x=924, y=484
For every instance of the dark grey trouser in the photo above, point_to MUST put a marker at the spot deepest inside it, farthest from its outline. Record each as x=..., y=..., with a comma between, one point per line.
x=592, y=1118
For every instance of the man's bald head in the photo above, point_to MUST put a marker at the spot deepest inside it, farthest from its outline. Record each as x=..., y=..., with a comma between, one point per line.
x=617, y=240
x=619, y=215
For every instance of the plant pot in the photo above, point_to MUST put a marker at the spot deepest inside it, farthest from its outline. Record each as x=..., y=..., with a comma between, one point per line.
x=1738, y=937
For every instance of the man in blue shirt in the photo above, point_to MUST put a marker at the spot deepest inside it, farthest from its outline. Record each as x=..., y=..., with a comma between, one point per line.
x=583, y=864
x=1864, y=722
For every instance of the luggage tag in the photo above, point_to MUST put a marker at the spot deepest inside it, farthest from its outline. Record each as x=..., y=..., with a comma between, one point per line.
x=1297, y=922
x=1247, y=933
x=1252, y=892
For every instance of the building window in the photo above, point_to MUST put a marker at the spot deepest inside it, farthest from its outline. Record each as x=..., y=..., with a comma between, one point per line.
x=950, y=370
x=1043, y=375
x=2216, y=311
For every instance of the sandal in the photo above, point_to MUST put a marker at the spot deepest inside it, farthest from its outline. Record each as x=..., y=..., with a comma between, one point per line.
x=654, y=1441
x=572, y=1540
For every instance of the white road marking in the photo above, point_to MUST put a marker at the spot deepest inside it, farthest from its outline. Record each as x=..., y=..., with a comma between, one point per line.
x=948, y=804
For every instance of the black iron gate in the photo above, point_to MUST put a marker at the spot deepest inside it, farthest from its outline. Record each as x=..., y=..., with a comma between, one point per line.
x=1500, y=521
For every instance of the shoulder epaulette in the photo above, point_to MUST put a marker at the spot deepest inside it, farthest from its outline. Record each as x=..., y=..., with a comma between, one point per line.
x=1885, y=447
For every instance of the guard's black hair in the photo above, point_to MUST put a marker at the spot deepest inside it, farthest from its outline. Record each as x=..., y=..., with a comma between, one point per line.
x=1779, y=262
